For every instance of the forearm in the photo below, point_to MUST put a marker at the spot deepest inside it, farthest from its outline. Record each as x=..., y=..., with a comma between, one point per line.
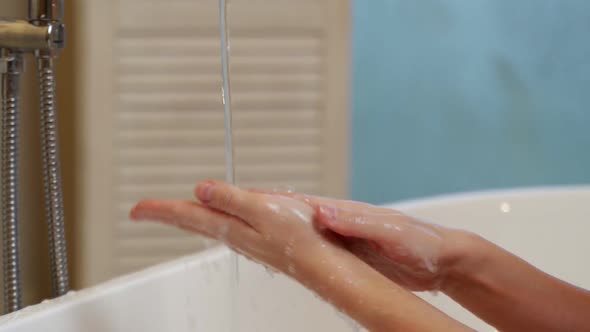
x=371, y=299
x=512, y=295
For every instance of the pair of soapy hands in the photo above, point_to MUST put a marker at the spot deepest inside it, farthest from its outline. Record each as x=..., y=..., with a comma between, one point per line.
x=289, y=231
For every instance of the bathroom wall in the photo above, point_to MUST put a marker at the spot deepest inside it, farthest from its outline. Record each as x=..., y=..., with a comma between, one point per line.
x=453, y=95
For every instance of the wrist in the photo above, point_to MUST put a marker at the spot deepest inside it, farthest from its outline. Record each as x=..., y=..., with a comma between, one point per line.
x=463, y=258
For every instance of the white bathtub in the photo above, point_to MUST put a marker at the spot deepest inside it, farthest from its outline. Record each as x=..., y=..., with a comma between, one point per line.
x=548, y=227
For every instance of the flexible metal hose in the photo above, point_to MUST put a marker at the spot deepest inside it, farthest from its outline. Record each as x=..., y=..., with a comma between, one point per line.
x=10, y=177
x=52, y=176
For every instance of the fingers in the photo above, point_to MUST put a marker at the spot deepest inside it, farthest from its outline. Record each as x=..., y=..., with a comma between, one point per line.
x=316, y=201
x=311, y=200
x=347, y=218
x=248, y=206
x=193, y=217
x=377, y=227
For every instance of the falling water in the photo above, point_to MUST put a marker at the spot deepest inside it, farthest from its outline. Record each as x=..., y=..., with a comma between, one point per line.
x=229, y=147
x=226, y=92
x=230, y=167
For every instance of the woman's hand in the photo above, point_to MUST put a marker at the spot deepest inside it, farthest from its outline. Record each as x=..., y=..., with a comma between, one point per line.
x=274, y=230
x=413, y=253
x=280, y=232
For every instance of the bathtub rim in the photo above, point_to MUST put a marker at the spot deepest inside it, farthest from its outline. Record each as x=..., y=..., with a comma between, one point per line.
x=487, y=194
x=114, y=285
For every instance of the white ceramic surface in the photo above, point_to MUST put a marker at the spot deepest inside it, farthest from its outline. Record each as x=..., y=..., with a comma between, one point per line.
x=548, y=227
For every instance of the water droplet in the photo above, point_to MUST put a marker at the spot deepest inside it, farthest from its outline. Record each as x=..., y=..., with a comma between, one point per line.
x=285, y=189
x=431, y=266
x=359, y=220
x=274, y=207
x=270, y=271
x=289, y=251
x=391, y=226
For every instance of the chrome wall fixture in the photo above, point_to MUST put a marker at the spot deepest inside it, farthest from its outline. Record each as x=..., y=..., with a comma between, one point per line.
x=42, y=36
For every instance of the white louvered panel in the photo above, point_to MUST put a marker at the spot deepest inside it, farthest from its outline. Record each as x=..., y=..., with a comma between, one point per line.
x=158, y=96
x=167, y=118
x=179, y=16
x=250, y=154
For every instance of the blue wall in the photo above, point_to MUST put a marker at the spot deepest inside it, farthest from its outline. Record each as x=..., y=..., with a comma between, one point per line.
x=455, y=95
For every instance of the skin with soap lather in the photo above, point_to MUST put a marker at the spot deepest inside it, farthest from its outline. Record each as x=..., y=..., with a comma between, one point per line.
x=281, y=232
x=497, y=286
x=415, y=254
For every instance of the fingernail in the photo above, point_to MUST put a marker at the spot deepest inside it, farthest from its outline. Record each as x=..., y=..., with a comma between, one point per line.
x=205, y=191
x=330, y=212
